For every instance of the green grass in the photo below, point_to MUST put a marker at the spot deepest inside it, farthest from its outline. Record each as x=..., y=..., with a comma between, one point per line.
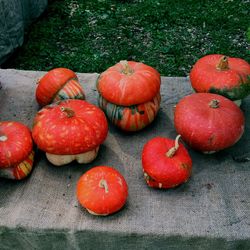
x=170, y=35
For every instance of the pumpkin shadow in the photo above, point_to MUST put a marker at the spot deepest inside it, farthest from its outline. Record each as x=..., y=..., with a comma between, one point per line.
x=108, y=219
x=240, y=152
x=10, y=186
x=106, y=157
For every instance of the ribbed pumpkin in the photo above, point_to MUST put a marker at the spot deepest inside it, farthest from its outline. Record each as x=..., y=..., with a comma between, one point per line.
x=208, y=122
x=222, y=75
x=16, y=150
x=129, y=94
x=58, y=84
x=70, y=130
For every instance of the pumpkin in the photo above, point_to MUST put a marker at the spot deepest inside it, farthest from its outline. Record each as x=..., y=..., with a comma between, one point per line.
x=16, y=150
x=208, y=122
x=165, y=162
x=70, y=130
x=102, y=190
x=129, y=94
x=58, y=84
x=222, y=75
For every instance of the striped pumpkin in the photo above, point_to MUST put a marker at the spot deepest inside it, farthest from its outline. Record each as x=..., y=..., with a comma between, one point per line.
x=58, y=84
x=16, y=150
x=71, y=90
x=129, y=94
x=131, y=118
x=19, y=171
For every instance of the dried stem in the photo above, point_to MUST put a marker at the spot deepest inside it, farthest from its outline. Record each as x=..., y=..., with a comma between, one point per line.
x=68, y=111
x=223, y=64
x=127, y=70
x=172, y=150
x=214, y=104
x=103, y=184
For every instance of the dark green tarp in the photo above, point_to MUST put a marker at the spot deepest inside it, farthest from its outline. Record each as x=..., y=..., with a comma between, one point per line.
x=15, y=16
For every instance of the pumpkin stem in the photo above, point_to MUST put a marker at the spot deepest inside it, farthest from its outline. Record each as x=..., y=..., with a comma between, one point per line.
x=3, y=138
x=68, y=111
x=223, y=64
x=103, y=184
x=214, y=104
x=127, y=70
x=172, y=150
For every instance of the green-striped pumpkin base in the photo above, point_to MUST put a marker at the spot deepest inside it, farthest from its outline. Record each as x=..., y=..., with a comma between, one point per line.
x=19, y=171
x=131, y=118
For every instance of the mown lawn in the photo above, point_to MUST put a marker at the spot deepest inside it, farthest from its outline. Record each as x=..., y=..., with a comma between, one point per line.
x=170, y=35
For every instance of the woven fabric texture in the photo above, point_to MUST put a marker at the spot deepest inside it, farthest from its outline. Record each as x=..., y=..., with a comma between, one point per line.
x=211, y=211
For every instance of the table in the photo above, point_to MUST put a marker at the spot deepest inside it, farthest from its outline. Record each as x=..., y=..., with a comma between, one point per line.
x=211, y=211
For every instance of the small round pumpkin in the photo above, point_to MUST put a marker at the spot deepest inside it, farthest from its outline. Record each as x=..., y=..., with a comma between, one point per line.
x=102, y=190
x=58, y=84
x=70, y=130
x=208, y=122
x=222, y=75
x=129, y=94
x=16, y=150
x=166, y=163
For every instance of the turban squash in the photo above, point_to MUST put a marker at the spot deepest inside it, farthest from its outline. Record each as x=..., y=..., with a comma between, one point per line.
x=16, y=150
x=70, y=130
x=129, y=94
x=58, y=84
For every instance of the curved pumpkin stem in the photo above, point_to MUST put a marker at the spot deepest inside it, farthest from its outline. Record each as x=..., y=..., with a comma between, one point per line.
x=223, y=64
x=68, y=111
x=172, y=150
x=103, y=184
x=127, y=70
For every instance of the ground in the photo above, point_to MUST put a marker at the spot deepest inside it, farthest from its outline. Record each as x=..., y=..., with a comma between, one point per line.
x=89, y=36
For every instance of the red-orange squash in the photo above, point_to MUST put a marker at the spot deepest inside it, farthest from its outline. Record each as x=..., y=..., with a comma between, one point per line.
x=16, y=150
x=129, y=94
x=58, y=84
x=222, y=75
x=102, y=190
x=165, y=162
x=208, y=122
x=70, y=130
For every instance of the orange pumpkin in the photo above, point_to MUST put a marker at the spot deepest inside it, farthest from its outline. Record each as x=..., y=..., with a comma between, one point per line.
x=102, y=190
x=208, y=122
x=222, y=75
x=58, y=84
x=70, y=130
x=129, y=94
x=16, y=150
